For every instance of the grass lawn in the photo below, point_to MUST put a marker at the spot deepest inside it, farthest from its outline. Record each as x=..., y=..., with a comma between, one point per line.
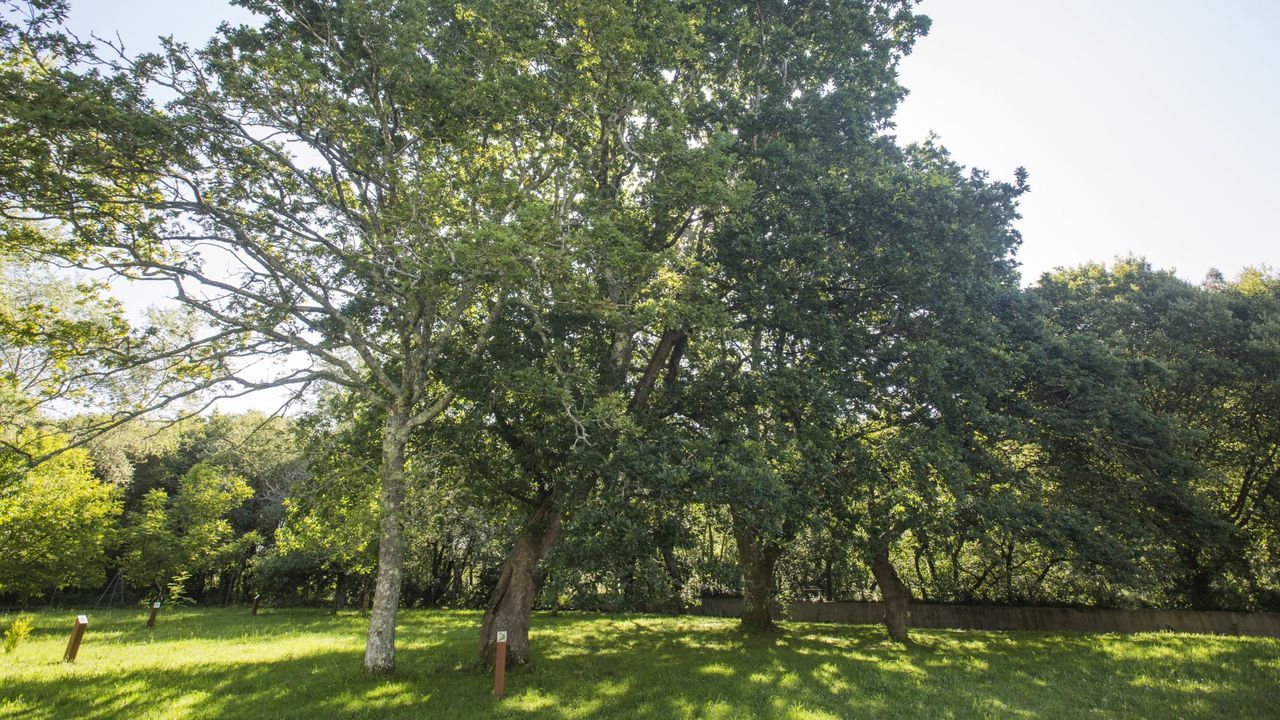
x=306, y=664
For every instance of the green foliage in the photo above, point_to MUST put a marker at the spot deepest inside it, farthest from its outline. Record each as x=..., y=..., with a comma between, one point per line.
x=330, y=515
x=57, y=521
x=176, y=589
x=17, y=631
x=654, y=271
x=150, y=544
x=167, y=540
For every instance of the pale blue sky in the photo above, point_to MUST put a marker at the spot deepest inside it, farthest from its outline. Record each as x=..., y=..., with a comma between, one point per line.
x=1147, y=126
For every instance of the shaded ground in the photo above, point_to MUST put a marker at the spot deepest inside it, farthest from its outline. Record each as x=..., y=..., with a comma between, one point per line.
x=306, y=664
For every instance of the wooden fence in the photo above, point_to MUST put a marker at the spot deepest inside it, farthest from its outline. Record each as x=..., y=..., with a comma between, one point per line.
x=992, y=617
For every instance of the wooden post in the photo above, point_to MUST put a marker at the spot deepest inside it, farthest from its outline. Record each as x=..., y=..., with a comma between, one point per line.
x=256, y=598
x=155, y=610
x=500, y=665
x=77, y=634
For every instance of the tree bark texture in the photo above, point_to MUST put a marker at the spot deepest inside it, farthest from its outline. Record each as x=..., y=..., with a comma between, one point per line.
x=897, y=596
x=380, y=646
x=512, y=600
x=758, y=559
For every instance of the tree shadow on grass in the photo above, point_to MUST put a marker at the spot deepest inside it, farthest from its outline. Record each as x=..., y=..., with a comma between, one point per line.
x=850, y=671
x=649, y=667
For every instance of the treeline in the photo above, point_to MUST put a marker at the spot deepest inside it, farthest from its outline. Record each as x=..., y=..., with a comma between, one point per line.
x=1137, y=467
x=609, y=305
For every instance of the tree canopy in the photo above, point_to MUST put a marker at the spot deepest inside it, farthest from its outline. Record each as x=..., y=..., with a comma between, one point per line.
x=608, y=305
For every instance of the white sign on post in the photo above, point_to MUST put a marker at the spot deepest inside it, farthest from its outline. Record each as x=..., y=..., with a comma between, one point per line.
x=82, y=619
x=502, y=636
x=156, y=605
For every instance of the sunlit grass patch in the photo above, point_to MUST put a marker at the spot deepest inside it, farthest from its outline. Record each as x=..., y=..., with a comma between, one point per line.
x=307, y=664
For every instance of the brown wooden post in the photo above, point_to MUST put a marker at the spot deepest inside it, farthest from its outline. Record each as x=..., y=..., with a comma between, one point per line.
x=155, y=610
x=255, y=604
x=77, y=634
x=500, y=665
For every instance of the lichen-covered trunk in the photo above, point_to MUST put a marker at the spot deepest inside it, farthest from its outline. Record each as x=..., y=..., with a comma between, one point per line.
x=897, y=596
x=380, y=645
x=512, y=600
x=758, y=558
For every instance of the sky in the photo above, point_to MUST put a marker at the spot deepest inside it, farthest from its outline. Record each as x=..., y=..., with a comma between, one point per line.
x=1148, y=126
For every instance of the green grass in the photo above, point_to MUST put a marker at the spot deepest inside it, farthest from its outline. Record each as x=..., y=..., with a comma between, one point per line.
x=306, y=664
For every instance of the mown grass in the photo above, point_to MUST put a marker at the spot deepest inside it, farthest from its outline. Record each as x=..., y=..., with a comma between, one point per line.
x=306, y=664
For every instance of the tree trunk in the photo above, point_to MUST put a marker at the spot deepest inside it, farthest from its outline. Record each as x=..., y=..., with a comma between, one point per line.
x=455, y=587
x=1198, y=583
x=897, y=597
x=512, y=599
x=758, y=559
x=340, y=593
x=668, y=550
x=380, y=645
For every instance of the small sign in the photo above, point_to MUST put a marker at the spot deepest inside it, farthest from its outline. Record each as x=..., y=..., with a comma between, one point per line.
x=156, y=605
x=502, y=636
x=82, y=619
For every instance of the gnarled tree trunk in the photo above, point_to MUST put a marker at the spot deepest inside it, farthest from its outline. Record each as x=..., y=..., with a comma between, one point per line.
x=380, y=646
x=512, y=600
x=758, y=558
x=897, y=597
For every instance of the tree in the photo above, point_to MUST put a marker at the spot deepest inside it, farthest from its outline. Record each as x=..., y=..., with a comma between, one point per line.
x=569, y=373
x=331, y=515
x=150, y=555
x=1242, y=442
x=1199, y=362
x=188, y=535
x=57, y=521
x=807, y=91
x=73, y=367
x=362, y=185
x=852, y=266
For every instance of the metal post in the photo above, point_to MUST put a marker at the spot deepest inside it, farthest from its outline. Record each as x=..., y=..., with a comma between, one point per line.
x=77, y=634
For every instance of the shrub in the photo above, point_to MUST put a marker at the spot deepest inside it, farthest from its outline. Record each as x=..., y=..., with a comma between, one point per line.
x=18, y=631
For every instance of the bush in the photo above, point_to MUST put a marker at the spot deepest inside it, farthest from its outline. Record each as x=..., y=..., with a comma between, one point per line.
x=18, y=631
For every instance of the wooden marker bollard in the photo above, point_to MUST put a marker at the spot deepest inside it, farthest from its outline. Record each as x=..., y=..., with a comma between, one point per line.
x=256, y=598
x=155, y=610
x=77, y=634
x=500, y=664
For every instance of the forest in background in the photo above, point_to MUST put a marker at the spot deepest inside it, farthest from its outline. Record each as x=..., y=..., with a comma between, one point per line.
x=1145, y=476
